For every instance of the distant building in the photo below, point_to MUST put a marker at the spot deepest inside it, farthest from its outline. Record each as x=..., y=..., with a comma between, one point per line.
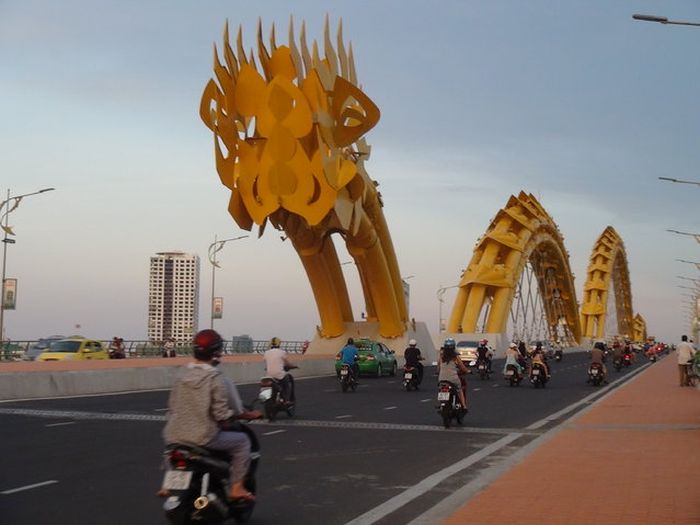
x=173, y=297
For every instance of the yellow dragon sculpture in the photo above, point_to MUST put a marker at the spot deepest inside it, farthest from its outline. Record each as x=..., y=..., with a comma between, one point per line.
x=289, y=145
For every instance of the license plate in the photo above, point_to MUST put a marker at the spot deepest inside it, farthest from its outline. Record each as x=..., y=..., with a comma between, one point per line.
x=265, y=394
x=343, y=372
x=443, y=396
x=535, y=372
x=509, y=373
x=482, y=367
x=408, y=375
x=177, y=479
x=594, y=372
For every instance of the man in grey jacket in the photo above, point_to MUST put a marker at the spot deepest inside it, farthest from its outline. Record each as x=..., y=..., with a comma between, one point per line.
x=199, y=405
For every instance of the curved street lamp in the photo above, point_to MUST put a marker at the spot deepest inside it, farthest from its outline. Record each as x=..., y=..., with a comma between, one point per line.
x=697, y=264
x=215, y=248
x=679, y=181
x=11, y=204
x=441, y=299
x=696, y=235
x=663, y=20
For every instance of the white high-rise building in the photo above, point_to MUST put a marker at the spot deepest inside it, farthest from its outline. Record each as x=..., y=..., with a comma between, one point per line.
x=173, y=297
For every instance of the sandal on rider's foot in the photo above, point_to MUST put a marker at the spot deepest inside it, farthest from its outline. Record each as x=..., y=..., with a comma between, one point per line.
x=246, y=496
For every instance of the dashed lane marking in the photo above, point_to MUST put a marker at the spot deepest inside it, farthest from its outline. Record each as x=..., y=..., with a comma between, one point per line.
x=160, y=409
x=390, y=408
x=476, y=389
x=60, y=424
x=273, y=432
x=344, y=416
x=29, y=487
x=426, y=400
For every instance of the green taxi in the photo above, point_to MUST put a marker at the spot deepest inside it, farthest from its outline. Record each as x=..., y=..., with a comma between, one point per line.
x=375, y=358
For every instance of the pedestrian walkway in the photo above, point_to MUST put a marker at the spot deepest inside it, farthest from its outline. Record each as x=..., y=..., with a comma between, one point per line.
x=633, y=458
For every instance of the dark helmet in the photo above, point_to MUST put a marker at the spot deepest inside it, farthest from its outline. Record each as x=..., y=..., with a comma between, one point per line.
x=599, y=345
x=449, y=343
x=350, y=341
x=207, y=343
x=538, y=345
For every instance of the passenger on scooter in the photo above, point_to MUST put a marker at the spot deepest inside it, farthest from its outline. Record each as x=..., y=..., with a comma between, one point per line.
x=451, y=369
x=413, y=358
x=617, y=353
x=277, y=363
x=539, y=358
x=199, y=407
x=484, y=353
x=598, y=356
x=349, y=356
x=512, y=358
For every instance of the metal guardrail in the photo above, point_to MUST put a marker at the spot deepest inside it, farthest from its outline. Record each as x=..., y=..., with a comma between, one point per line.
x=18, y=350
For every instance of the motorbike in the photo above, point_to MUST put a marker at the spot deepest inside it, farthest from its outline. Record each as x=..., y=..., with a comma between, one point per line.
x=538, y=375
x=617, y=363
x=411, y=378
x=595, y=374
x=512, y=375
x=196, y=480
x=272, y=399
x=558, y=355
x=449, y=406
x=627, y=359
x=347, y=378
x=482, y=366
x=652, y=357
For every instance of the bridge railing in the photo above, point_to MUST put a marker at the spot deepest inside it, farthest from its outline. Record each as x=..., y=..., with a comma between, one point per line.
x=20, y=350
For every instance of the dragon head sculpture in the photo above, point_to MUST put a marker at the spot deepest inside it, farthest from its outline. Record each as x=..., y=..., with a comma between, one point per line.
x=289, y=135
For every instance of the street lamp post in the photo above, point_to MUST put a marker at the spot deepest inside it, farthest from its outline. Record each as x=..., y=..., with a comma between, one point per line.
x=697, y=264
x=11, y=203
x=679, y=181
x=663, y=20
x=441, y=299
x=695, y=235
x=215, y=248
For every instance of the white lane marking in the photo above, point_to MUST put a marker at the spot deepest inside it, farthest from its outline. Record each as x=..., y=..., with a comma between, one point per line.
x=29, y=487
x=495, y=386
x=363, y=386
x=426, y=400
x=60, y=424
x=476, y=389
x=160, y=409
x=390, y=408
x=330, y=390
x=273, y=432
x=390, y=382
x=345, y=416
x=398, y=501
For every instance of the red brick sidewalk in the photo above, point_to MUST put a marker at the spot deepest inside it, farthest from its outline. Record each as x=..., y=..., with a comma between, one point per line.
x=634, y=458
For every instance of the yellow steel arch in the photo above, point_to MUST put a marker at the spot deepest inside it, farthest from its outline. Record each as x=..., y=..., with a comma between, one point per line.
x=608, y=263
x=519, y=230
x=639, y=330
x=288, y=136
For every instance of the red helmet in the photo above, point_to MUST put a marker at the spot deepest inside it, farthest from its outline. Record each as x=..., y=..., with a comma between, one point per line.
x=207, y=343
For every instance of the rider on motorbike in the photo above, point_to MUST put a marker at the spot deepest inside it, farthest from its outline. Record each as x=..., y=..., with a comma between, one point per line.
x=277, y=363
x=512, y=358
x=199, y=410
x=451, y=369
x=539, y=358
x=484, y=353
x=349, y=356
x=598, y=356
x=413, y=358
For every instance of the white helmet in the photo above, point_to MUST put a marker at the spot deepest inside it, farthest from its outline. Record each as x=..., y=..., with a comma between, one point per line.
x=412, y=342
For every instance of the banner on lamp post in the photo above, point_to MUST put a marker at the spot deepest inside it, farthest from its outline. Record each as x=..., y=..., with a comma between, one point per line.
x=217, y=308
x=9, y=295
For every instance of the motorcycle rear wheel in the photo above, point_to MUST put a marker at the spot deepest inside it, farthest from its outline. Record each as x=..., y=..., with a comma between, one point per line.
x=446, y=416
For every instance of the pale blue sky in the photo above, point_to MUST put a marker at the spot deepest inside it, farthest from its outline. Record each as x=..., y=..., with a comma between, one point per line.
x=572, y=101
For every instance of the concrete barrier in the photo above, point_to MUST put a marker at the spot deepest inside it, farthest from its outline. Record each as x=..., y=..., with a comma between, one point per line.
x=18, y=384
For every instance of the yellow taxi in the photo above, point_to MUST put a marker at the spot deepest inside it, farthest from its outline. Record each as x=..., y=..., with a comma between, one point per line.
x=76, y=348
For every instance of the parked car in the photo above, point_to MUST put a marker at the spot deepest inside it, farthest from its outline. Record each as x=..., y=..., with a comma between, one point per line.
x=375, y=358
x=41, y=346
x=74, y=348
